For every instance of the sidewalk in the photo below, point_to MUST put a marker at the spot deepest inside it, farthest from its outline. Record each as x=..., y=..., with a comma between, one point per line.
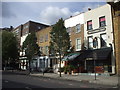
x=105, y=80
x=100, y=79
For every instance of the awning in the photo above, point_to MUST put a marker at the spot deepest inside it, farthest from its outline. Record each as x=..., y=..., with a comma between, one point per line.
x=70, y=56
x=95, y=54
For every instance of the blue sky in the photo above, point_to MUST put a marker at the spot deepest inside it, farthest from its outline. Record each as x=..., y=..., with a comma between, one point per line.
x=16, y=13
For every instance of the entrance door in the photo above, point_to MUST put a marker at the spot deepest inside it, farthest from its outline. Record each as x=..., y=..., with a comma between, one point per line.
x=90, y=66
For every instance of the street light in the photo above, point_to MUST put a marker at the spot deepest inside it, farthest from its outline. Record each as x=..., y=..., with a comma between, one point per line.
x=95, y=57
x=95, y=44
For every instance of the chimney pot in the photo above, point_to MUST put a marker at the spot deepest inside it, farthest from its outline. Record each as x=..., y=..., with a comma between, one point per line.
x=89, y=9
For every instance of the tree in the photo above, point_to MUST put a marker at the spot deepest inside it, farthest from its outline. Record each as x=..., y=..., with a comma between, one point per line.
x=31, y=47
x=60, y=40
x=9, y=48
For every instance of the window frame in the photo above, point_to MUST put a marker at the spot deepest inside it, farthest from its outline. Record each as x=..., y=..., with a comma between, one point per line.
x=69, y=30
x=89, y=25
x=78, y=29
x=77, y=44
x=100, y=25
x=104, y=40
x=91, y=42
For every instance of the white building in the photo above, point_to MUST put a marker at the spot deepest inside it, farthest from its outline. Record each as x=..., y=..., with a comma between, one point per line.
x=98, y=30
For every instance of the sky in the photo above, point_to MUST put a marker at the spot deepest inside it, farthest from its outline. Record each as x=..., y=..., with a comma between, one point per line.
x=17, y=13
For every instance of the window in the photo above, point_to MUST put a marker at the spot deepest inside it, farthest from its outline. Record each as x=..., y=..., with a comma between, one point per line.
x=41, y=39
x=95, y=42
x=78, y=44
x=39, y=27
x=26, y=26
x=46, y=37
x=102, y=21
x=90, y=42
x=103, y=40
x=69, y=31
x=41, y=48
x=89, y=25
x=46, y=50
x=77, y=28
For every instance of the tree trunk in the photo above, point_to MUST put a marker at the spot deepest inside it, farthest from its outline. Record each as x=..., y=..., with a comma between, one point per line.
x=29, y=67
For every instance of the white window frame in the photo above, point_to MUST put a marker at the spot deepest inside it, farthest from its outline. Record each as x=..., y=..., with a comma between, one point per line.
x=90, y=43
x=69, y=30
x=78, y=28
x=78, y=44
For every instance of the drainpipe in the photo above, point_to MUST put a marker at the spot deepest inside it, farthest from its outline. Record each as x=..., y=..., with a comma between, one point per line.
x=112, y=12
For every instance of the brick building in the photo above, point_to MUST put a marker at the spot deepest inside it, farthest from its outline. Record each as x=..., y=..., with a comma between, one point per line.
x=75, y=28
x=22, y=32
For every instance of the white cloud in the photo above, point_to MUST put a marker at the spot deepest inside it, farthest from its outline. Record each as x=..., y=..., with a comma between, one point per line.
x=52, y=14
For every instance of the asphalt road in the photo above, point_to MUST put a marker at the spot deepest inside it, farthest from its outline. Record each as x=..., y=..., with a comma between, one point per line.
x=18, y=80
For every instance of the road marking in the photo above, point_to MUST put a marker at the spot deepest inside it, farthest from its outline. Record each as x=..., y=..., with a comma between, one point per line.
x=28, y=88
x=6, y=81
x=115, y=87
x=70, y=84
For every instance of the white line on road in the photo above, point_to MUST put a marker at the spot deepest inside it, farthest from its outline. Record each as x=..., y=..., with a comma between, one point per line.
x=70, y=84
x=28, y=88
x=6, y=81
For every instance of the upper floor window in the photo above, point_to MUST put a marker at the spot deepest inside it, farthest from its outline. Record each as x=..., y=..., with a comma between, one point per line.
x=90, y=42
x=69, y=30
x=26, y=26
x=41, y=39
x=95, y=42
x=78, y=44
x=77, y=28
x=46, y=37
x=103, y=40
x=89, y=25
x=39, y=27
x=102, y=21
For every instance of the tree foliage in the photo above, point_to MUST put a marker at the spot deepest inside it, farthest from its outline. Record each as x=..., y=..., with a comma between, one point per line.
x=30, y=46
x=9, y=47
x=60, y=40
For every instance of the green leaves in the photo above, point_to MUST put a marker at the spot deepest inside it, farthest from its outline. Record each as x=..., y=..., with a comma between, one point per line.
x=9, y=46
x=30, y=46
x=60, y=40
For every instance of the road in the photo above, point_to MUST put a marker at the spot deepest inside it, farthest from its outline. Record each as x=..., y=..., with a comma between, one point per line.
x=17, y=80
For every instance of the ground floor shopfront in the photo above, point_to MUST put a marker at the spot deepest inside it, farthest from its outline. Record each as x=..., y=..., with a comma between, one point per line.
x=91, y=61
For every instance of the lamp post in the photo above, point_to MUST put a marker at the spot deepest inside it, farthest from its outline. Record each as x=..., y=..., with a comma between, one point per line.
x=95, y=57
x=95, y=44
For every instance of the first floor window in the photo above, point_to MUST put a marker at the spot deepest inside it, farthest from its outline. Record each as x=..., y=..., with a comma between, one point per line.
x=90, y=42
x=46, y=50
x=95, y=42
x=103, y=40
x=41, y=48
x=78, y=44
